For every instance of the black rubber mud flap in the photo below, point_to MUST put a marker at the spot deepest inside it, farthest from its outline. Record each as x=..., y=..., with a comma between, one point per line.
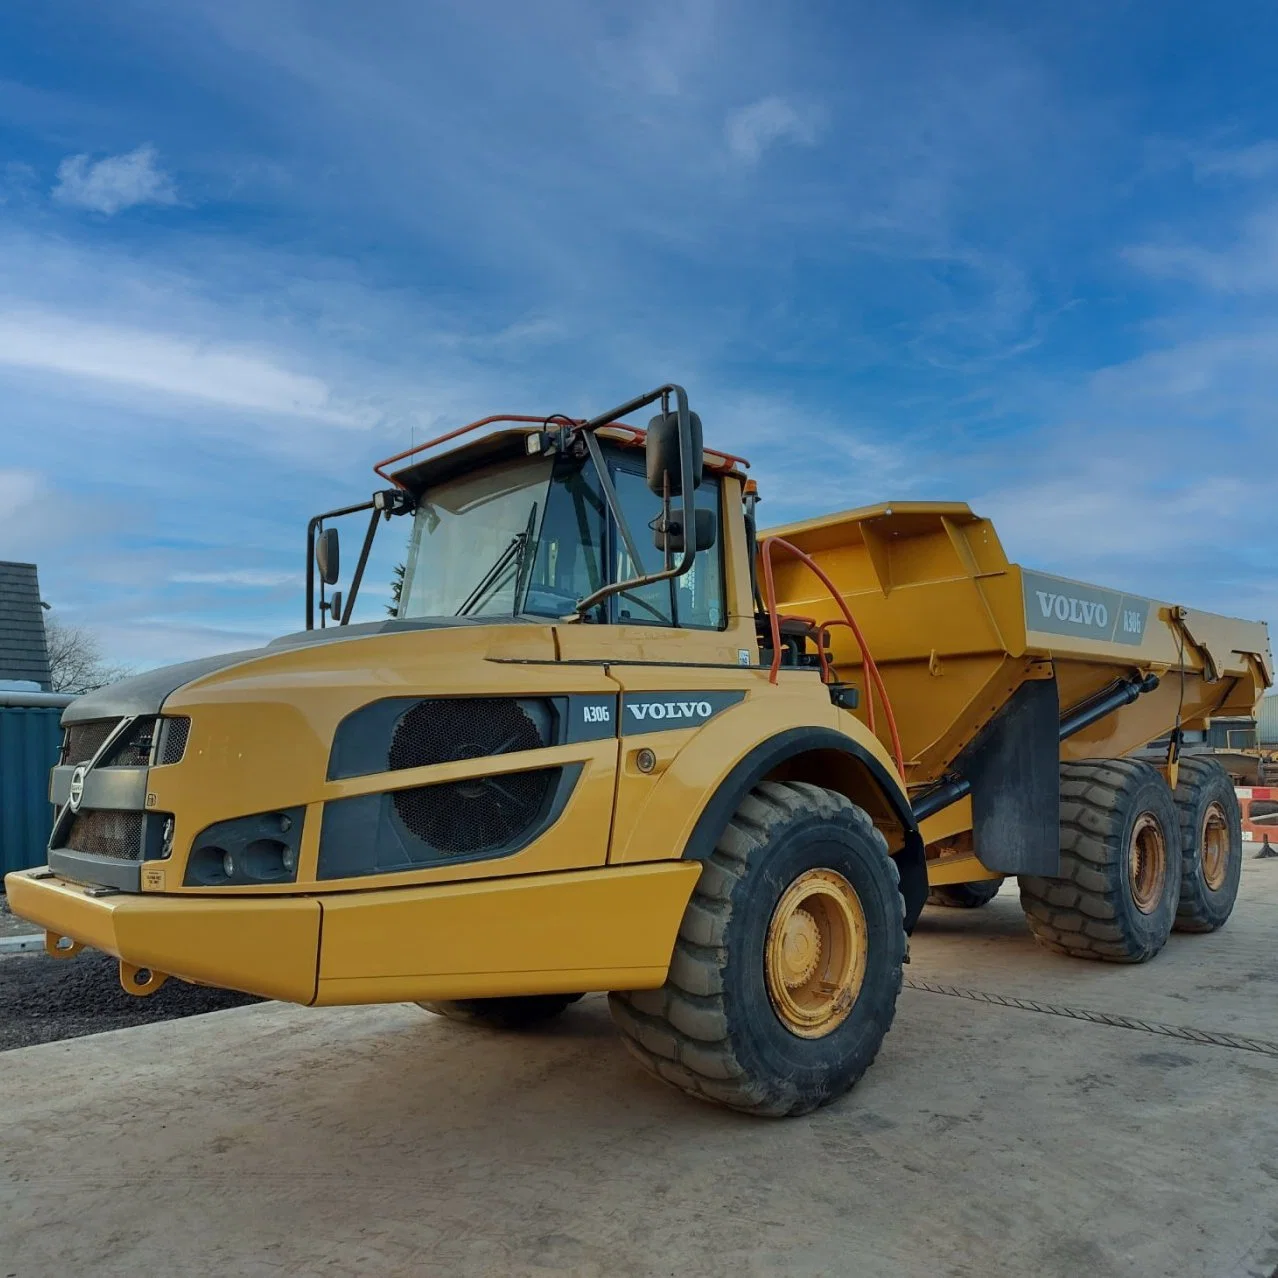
x=1015, y=770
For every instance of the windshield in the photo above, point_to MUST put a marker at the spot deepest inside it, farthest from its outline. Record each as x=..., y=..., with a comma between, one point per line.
x=524, y=537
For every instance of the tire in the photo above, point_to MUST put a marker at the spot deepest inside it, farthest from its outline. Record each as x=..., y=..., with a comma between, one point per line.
x=1210, y=844
x=1100, y=907
x=965, y=896
x=516, y=1013
x=715, y=1029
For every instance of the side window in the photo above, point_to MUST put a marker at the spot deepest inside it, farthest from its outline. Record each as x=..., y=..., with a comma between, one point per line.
x=699, y=594
x=648, y=604
x=695, y=599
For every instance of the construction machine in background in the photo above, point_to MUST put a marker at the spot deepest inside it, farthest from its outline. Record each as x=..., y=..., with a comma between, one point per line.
x=616, y=739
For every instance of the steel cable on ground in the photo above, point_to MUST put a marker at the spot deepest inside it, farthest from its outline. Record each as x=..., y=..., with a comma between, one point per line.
x=1241, y=1042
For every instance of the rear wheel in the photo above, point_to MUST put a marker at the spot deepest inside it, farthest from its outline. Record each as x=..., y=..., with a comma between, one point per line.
x=1211, y=845
x=787, y=967
x=965, y=896
x=1120, y=865
x=515, y=1013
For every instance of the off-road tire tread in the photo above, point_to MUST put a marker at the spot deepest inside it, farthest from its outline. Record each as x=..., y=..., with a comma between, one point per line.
x=1072, y=914
x=965, y=896
x=679, y=1032
x=1194, y=775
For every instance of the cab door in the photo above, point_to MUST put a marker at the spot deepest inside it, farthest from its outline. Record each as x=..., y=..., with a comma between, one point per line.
x=671, y=650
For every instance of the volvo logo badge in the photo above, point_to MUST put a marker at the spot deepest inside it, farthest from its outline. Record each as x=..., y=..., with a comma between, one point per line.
x=77, y=788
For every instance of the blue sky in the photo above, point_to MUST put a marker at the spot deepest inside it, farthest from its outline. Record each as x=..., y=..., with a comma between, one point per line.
x=1020, y=255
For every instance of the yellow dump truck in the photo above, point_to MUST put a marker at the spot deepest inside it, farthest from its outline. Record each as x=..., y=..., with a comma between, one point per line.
x=615, y=739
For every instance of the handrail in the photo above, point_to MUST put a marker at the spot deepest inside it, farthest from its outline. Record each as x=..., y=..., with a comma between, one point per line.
x=821, y=632
x=867, y=659
x=453, y=434
x=727, y=460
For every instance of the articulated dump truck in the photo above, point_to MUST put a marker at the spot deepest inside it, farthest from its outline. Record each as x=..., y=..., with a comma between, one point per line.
x=616, y=739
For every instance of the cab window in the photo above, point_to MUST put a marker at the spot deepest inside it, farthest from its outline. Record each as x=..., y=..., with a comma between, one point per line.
x=696, y=598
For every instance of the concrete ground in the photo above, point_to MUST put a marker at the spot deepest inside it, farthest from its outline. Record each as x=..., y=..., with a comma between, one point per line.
x=987, y=1139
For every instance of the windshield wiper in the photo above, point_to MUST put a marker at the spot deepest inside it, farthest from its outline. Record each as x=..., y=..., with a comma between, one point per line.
x=514, y=552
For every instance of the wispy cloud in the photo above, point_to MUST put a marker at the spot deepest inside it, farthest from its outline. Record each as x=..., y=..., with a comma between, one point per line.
x=1250, y=162
x=114, y=183
x=1245, y=264
x=240, y=379
x=751, y=130
x=253, y=578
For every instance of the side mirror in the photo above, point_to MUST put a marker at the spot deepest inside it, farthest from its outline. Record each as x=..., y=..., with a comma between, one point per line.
x=335, y=606
x=670, y=536
x=328, y=556
x=662, y=453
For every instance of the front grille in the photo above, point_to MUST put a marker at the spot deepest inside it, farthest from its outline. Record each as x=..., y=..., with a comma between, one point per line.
x=106, y=833
x=446, y=729
x=133, y=749
x=479, y=814
x=83, y=740
x=173, y=742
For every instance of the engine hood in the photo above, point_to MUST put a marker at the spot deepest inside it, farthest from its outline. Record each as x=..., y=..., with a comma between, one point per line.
x=146, y=693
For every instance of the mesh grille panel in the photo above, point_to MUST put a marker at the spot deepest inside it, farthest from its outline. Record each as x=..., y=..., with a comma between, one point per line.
x=447, y=729
x=173, y=746
x=104, y=833
x=480, y=814
x=133, y=750
x=83, y=740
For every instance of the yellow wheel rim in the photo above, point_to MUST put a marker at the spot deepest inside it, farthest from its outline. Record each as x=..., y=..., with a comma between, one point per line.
x=1213, y=845
x=816, y=953
x=1147, y=862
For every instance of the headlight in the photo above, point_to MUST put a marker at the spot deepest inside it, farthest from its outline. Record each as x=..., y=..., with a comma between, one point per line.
x=247, y=850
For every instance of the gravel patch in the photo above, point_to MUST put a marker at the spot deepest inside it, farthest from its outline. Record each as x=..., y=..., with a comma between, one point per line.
x=10, y=924
x=44, y=999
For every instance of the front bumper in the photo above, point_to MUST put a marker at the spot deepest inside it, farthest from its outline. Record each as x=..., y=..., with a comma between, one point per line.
x=603, y=929
x=263, y=946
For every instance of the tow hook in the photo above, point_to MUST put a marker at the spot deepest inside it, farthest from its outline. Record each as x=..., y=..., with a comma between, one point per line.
x=61, y=947
x=141, y=982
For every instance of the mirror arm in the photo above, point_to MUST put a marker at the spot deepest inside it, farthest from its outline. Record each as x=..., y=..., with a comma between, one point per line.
x=317, y=522
x=311, y=529
x=359, y=567
x=688, y=499
x=687, y=493
x=633, y=406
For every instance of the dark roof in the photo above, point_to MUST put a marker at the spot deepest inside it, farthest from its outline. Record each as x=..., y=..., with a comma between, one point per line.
x=23, y=652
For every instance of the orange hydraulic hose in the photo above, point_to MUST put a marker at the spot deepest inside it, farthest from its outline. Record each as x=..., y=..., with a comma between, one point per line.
x=871, y=669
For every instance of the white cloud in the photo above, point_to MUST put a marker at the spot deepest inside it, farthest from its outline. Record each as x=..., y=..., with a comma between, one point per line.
x=1093, y=513
x=18, y=488
x=752, y=129
x=115, y=183
x=17, y=182
x=1246, y=265
x=251, y=577
x=231, y=377
x=34, y=521
x=152, y=640
x=1253, y=162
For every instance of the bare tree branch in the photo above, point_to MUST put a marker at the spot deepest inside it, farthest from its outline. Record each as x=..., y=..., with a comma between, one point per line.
x=76, y=664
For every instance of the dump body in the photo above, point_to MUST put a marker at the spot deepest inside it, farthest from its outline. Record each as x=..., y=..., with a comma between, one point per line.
x=956, y=629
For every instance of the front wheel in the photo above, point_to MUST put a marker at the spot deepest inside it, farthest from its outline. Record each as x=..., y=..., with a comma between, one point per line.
x=787, y=967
